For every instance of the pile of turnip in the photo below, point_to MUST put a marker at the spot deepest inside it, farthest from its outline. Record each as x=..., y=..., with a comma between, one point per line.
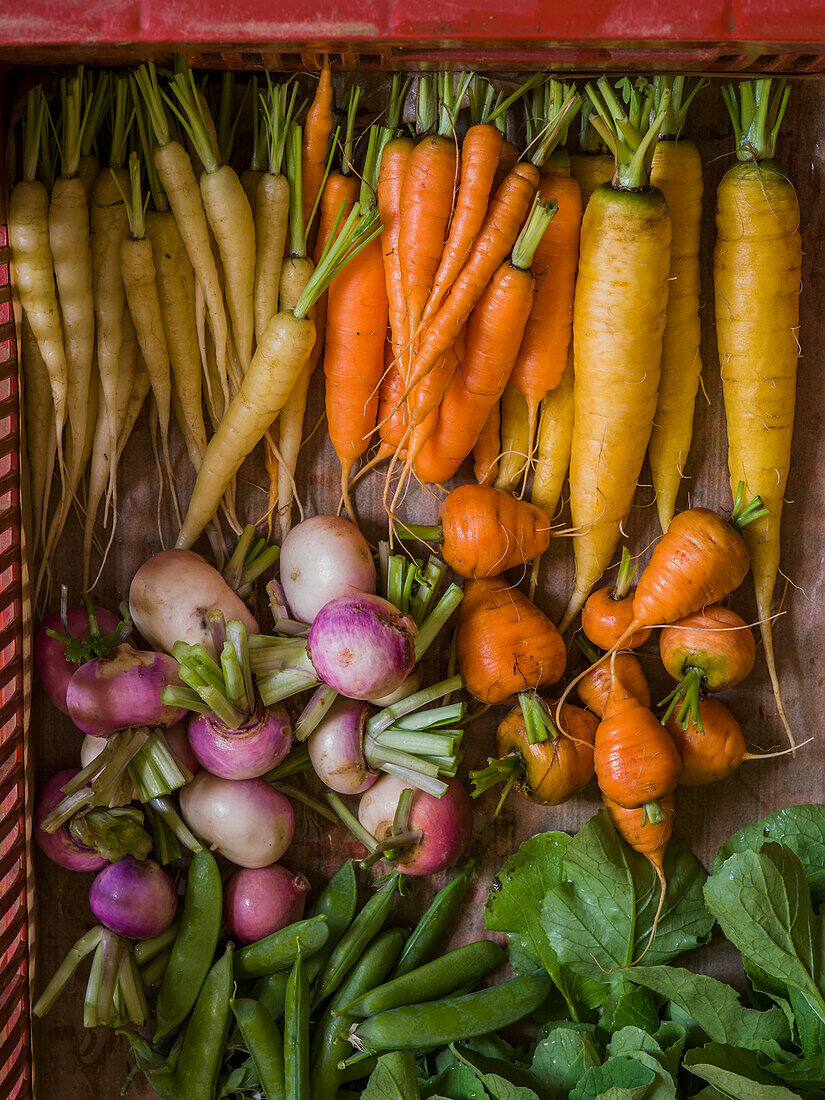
x=188, y=743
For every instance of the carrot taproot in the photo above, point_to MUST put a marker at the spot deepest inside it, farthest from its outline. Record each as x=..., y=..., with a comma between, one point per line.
x=227, y=211
x=392, y=409
x=181, y=186
x=514, y=431
x=395, y=157
x=315, y=143
x=594, y=686
x=495, y=240
x=504, y=643
x=619, y=318
x=710, y=650
x=609, y=610
x=757, y=264
x=488, y=448
x=275, y=368
x=677, y=172
x=484, y=531
x=508, y=159
x=711, y=745
x=34, y=264
x=356, y=331
x=493, y=336
x=592, y=165
x=542, y=764
x=542, y=357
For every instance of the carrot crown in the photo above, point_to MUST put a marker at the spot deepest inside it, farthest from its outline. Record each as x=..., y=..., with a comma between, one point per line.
x=96, y=91
x=533, y=230
x=450, y=96
x=631, y=134
x=134, y=202
x=625, y=576
x=756, y=110
x=278, y=109
x=742, y=513
x=682, y=93
x=190, y=114
x=554, y=107
x=505, y=770
x=590, y=140
x=538, y=723
x=146, y=148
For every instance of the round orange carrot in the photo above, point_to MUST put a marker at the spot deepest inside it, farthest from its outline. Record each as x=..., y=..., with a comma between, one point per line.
x=609, y=611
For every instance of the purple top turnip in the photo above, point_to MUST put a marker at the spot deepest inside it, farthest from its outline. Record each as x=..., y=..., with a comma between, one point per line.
x=323, y=558
x=52, y=664
x=254, y=748
x=61, y=846
x=122, y=691
x=134, y=899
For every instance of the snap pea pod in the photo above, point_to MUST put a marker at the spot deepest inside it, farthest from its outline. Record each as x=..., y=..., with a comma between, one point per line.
x=296, y=1034
x=433, y=926
x=203, y=1042
x=436, y=1023
x=435, y=979
x=271, y=992
x=264, y=1042
x=330, y=1043
x=281, y=949
x=195, y=943
x=338, y=902
x=349, y=948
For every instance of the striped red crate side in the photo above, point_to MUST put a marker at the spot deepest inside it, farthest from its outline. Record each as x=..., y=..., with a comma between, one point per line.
x=15, y=1035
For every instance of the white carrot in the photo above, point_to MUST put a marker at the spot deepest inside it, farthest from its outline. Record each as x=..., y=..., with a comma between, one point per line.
x=41, y=439
x=228, y=213
x=181, y=187
x=33, y=263
x=276, y=366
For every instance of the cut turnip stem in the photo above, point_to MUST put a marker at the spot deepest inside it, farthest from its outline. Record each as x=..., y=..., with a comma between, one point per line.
x=281, y=615
x=398, y=712
x=296, y=762
x=115, y=832
x=313, y=713
x=388, y=849
x=249, y=560
x=410, y=584
x=294, y=794
x=171, y=819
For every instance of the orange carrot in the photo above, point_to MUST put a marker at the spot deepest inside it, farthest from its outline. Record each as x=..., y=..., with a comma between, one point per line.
x=542, y=358
x=317, y=130
x=498, y=234
x=494, y=333
x=392, y=410
x=594, y=686
x=394, y=160
x=485, y=531
x=609, y=611
x=507, y=162
x=356, y=330
x=488, y=448
x=504, y=643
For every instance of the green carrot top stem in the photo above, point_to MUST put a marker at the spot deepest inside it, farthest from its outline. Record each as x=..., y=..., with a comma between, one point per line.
x=229, y=115
x=33, y=126
x=426, y=105
x=553, y=108
x=278, y=109
x=742, y=513
x=292, y=156
x=497, y=112
x=480, y=94
x=359, y=230
x=756, y=109
x=631, y=133
x=451, y=95
x=682, y=93
x=588, y=649
x=190, y=114
x=372, y=164
x=121, y=121
x=97, y=95
x=398, y=93
x=590, y=140
x=624, y=578
x=147, y=145
x=257, y=160
x=534, y=228
x=348, y=147
x=47, y=150
x=134, y=202
x=146, y=78
x=73, y=120
x=538, y=723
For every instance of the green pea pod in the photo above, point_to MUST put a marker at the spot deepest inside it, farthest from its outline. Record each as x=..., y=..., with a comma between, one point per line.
x=271, y=992
x=263, y=1041
x=349, y=948
x=337, y=903
x=435, y=979
x=436, y=1023
x=281, y=949
x=195, y=943
x=296, y=1034
x=330, y=1042
x=203, y=1043
x=436, y=922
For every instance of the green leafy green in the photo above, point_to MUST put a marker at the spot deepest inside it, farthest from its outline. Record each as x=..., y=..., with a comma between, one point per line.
x=637, y=1044
x=600, y=918
x=619, y=1078
x=715, y=1007
x=763, y=905
x=562, y=1057
x=800, y=828
x=456, y=1082
x=629, y=1005
x=736, y=1073
x=394, y=1078
x=801, y=1073
x=503, y=1080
